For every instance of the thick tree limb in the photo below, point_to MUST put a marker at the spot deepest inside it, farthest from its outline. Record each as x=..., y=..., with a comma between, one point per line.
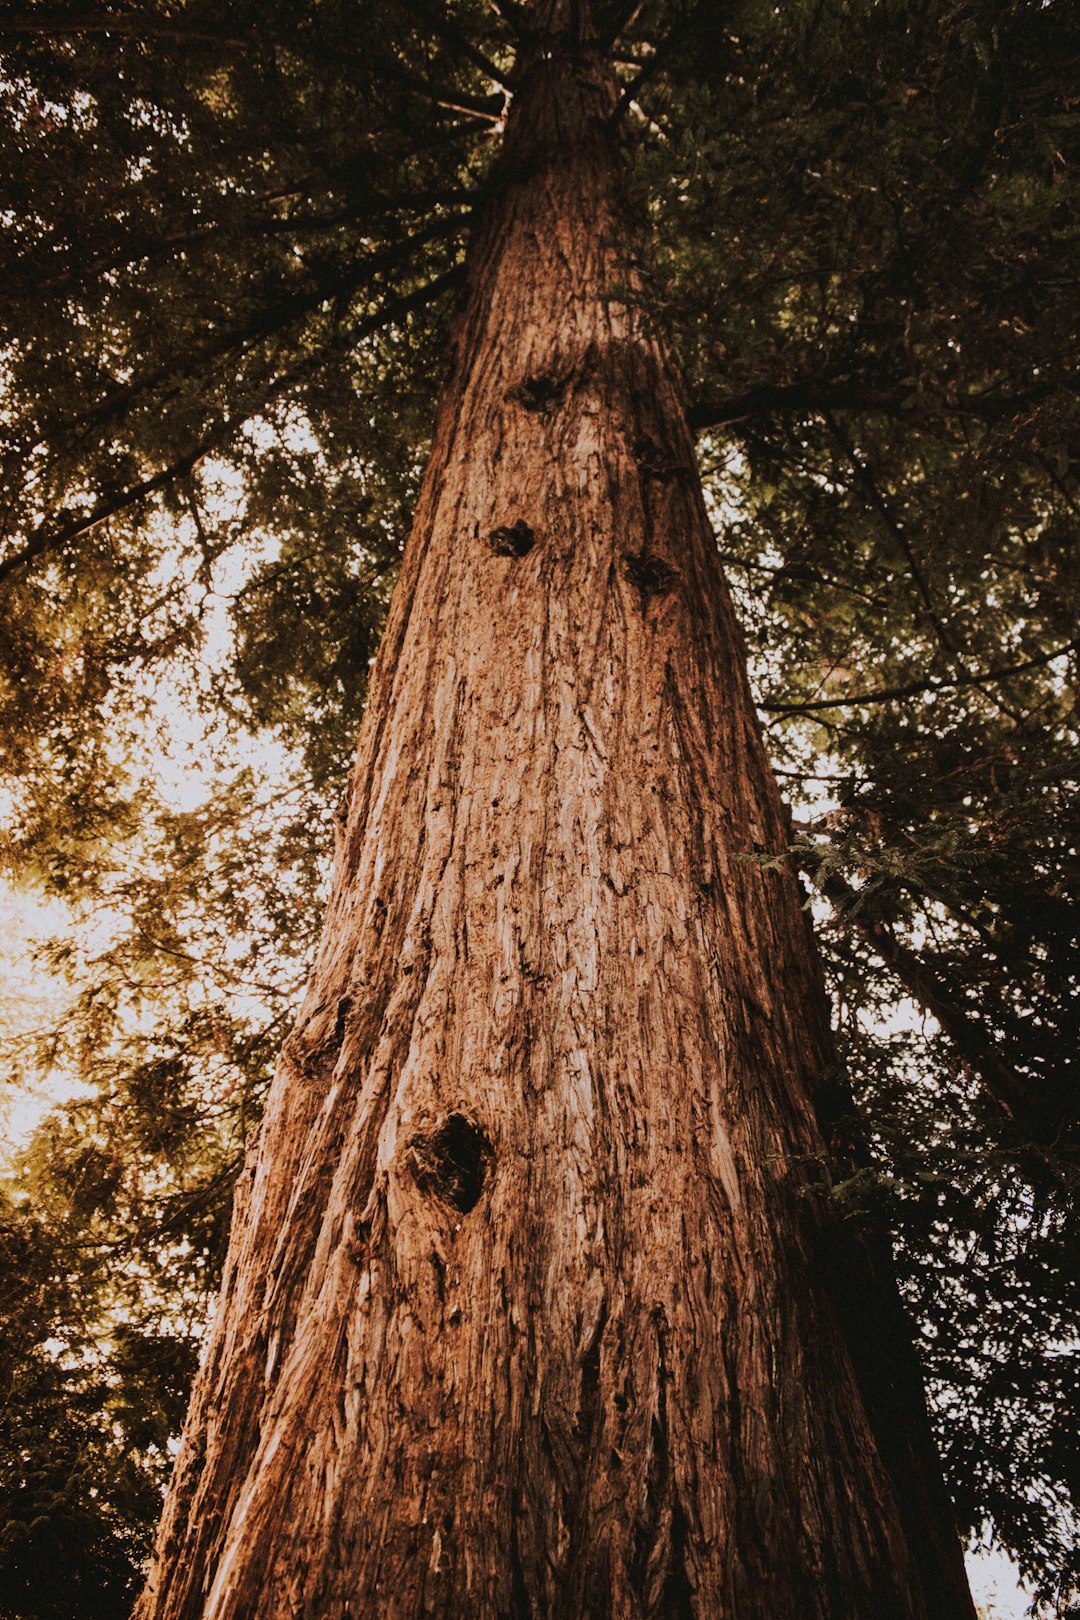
x=122, y=24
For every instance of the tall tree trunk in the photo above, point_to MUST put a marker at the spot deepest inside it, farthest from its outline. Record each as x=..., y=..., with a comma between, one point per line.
x=527, y=1310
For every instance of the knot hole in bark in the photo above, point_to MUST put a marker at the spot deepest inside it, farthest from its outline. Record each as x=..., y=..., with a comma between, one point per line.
x=451, y=1161
x=341, y=1019
x=652, y=575
x=512, y=540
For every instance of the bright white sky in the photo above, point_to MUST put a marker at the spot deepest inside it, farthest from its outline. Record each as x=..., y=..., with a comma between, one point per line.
x=996, y=1586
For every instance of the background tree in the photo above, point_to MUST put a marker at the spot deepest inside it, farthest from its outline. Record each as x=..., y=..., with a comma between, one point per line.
x=238, y=238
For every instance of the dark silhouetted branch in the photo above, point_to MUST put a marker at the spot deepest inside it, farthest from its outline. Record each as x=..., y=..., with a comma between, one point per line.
x=119, y=24
x=1036, y=1114
x=812, y=397
x=891, y=694
x=51, y=538
x=272, y=319
x=662, y=54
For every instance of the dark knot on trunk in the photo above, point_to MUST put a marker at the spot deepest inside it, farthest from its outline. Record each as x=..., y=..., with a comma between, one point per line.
x=451, y=1161
x=512, y=540
x=652, y=575
x=540, y=392
x=656, y=463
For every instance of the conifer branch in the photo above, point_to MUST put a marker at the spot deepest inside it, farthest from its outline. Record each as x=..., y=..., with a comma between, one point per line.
x=670, y=42
x=121, y=24
x=1036, y=1116
x=876, y=500
x=812, y=397
x=273, y=319
x=435, y=16
x=486, y=108
x=620, y=19
x=252, y=230
x=891, y=694
x=897, y=528
x=512, y=15
x=48, y=539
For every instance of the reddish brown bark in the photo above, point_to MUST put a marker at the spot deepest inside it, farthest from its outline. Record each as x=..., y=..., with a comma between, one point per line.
x=526, y=1310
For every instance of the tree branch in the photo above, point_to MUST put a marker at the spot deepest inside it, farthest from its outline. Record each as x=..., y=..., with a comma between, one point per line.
x=49, y=539
x=877, y=502
x=896, y=527
x=1036, y=1116
x=620, y=18
x=298, y=225
x=671, y=40
x=813, y=397
x=272, y=319
x=120, y=23
x=487, y=108
x=512, y=15
x=435, y=16
x=890, y=693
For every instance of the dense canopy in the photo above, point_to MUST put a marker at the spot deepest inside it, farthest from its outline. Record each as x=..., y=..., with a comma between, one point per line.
x=235, y=235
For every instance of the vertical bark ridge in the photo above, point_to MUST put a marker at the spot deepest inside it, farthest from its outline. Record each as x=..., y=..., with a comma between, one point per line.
x=523, y=1312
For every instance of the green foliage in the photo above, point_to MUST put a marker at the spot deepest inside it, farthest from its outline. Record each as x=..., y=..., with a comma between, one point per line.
x=83, y=1433
x=236, y=234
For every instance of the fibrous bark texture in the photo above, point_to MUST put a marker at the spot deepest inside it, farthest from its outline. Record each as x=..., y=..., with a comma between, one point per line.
x=528, y=1310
